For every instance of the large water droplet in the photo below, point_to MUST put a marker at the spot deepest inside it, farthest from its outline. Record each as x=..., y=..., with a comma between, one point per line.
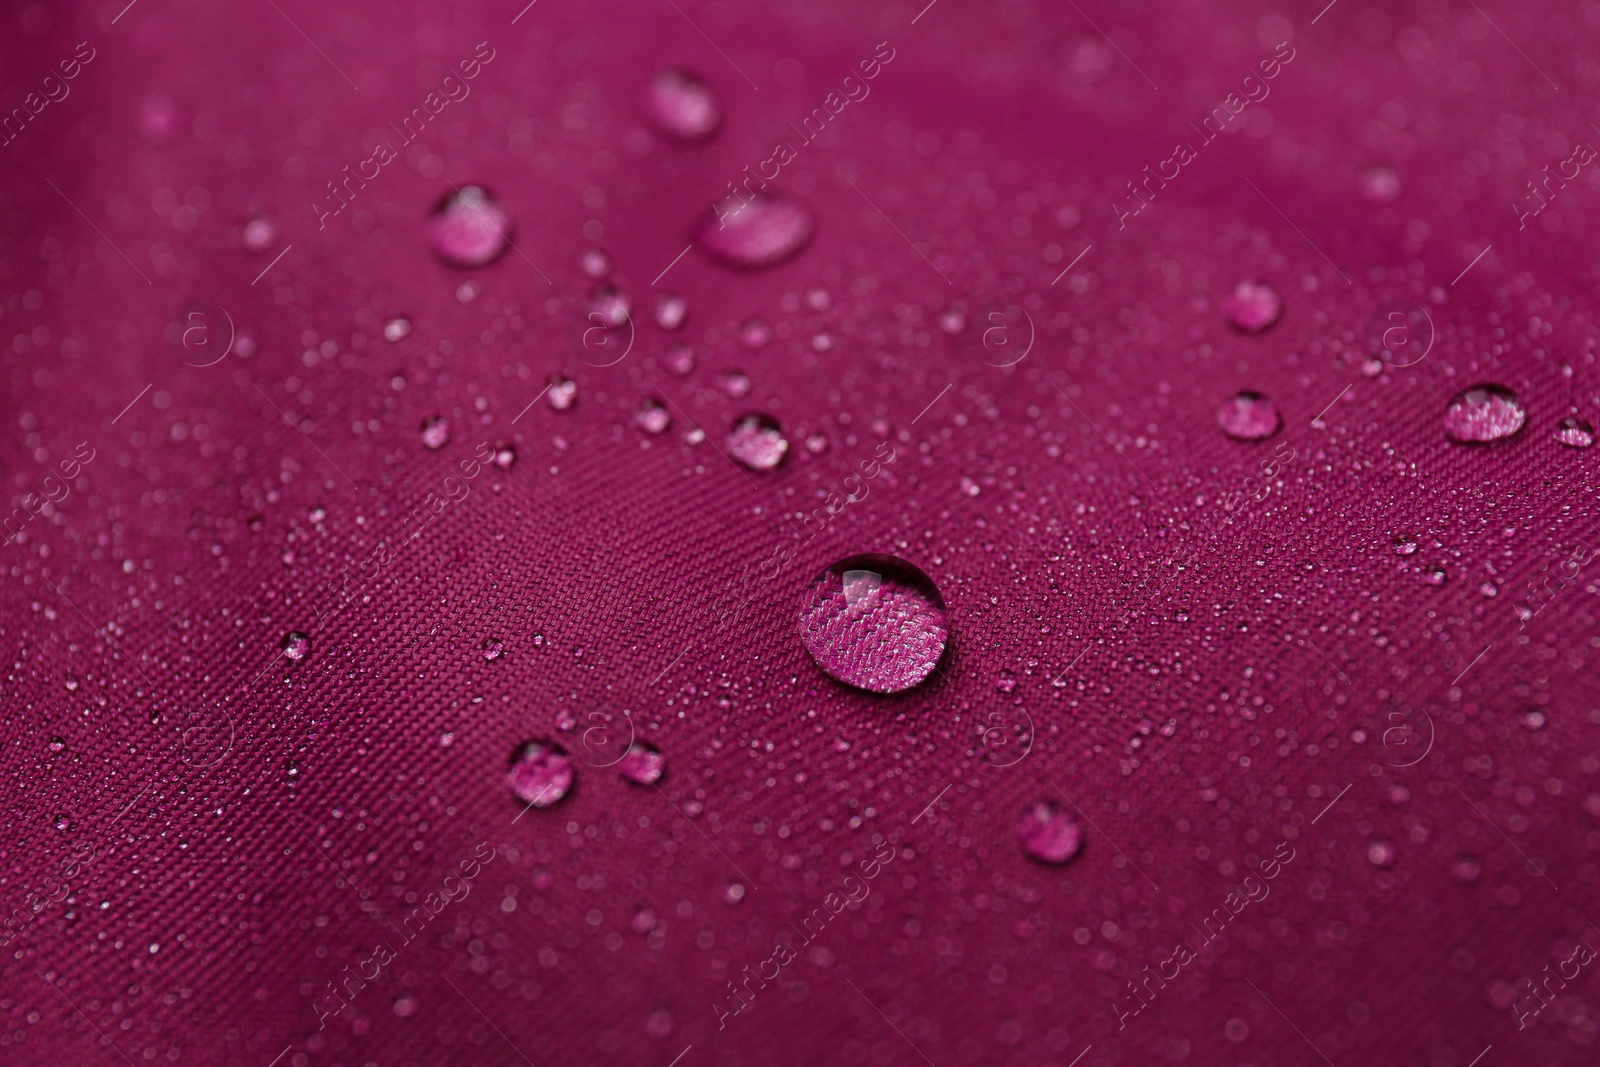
x=757, y=441
x=642, y=764
x=1574, y=432
x=1253, y=307
x=1483, y=413
x=1048, y=834
x=541, y=773
x=681, y=106
x=1249, y=417
x=468, y=229
x=875, y=622
x=435, y=432
x=295, y=646
x=760, y=232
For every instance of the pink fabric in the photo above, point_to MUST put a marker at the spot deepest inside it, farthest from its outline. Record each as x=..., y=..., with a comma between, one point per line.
x=1266, y=714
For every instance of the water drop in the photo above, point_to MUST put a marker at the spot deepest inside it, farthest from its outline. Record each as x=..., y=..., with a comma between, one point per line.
x=56, y=744
x=318, y=515
x=468, y=229
x=396, y=329
x=953, y=320
x=61, y=822
x=1403, y=545
x=642, y=764
x=1048, y=834
x=681, y=106
x=760, y=232
x=671, y=312
x=563, y=392
x=260, y=233
x=652, y=416
x=755, y=333
x=1253, y=307
x=595, y=263
x=1005, y=681
x=1466, y=869
x=1533, y=719
x=610, y=308
x=493, y=648
x=541, y=773
x=680, y=359
x=757, y=441
x=1434, y=575
x=1379, y=185
x=295, y=645
x=1574, y=432
x=1382, y=854
x=735, y=383
x=435, y=433
x=405, y=1005
x=733, y=893
x=1483, y=413
x=505, y=455
x=875, y=622
x=817, y=443
x=1249, y=417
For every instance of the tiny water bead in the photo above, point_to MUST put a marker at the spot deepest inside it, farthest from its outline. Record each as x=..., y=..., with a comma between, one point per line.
x=1404, y=545
x=680, y=359
x=562, y=393
x=397, y=329
x=671, y=312
x=295, y=645
x=468, y=229
x=875, y=622
x=735, y=383
x=493, y=648
x=435, y=433
x=1253, y=307
x=652, y=416
x=610, y=307
x=505, y=455
x=541, y=773
x=757, y=441
x=1482, y=414
x=1382, y=854
x=260, y=233
x=760, y=232
x=681, y=106
x=1249, y=417
x=56, y=744
x=1048, y=834
x=1574, y=432
x=642, y=764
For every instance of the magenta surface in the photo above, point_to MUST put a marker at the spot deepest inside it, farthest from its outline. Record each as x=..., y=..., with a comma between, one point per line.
x=1341, y=800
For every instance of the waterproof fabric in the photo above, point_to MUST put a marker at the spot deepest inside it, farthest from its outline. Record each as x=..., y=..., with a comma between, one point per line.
x=1318, y=709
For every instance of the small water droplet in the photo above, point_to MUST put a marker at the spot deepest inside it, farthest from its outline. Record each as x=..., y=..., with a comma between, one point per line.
x=671, y=312
x=1403, y=545
x=817, y=443
x=644, y=920
x=733, y=893
x=875, y=622
x=1253, y=307
x=610, y=308
x=405, y=1005
x=61, y=822
x=757, y=441
x=680, y=359
x=295, y=645
x=1005, y=681
x=652, y=416
x=1483, y=413
x=1574, y=432
x=1466, y=869
x=318, y=515
x=595, y=263
x=1434, y=575
x=397, y=329
x=1048, y=834
x=1533, y=719
x=755, y=333
x=1382, y=854
x=260, y=233
x=735, y=383
x=56, y=744
x=541, y=773
x=953, y=320
x=435, y=432
x=563, y=392
x=1379, y=185
x=1249, y=417
x=493, y=648
x=681, y=106
x=505, y=455
x=468, y=229
x=760, y=232
x=642, y=764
